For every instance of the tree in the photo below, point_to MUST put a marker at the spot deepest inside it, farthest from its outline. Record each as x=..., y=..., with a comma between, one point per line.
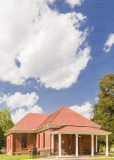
x=104, y=109
x=5, y=120
x=2, y=139
x=5, y=124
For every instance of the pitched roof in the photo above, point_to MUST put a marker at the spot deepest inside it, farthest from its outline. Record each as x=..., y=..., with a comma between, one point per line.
x=67, y=116
x=81, y=129
x=30, y=122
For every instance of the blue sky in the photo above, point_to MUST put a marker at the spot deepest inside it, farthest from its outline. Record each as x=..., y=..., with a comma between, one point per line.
x=53, y=53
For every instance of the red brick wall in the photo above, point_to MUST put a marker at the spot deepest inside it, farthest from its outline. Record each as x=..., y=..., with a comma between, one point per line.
x=47, y=140
x=14, y=142
x=64, y=141
x=9, y=144
x=31, y=141
x=56, y=146
x=84, y=142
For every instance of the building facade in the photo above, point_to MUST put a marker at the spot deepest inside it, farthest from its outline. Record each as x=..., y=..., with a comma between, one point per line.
x=64, y=131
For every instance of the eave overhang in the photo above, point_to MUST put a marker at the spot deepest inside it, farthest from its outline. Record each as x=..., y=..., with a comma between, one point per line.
x=18, y=131
x=43, y=128
x=84, y=133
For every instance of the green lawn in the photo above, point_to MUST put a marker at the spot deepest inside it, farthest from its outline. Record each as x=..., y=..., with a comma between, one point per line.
x=103, y=153
x=15, y=157
x=19, y=157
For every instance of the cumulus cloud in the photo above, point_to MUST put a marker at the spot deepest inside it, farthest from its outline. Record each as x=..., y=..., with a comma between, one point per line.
x=41, y=43
x=36, y=109
x=72, y=3
x=23, y=103
x=18, y=115
x=96, y=99
x=108, y=44
x=84, y=110
x=19, y=100
x=21, y=112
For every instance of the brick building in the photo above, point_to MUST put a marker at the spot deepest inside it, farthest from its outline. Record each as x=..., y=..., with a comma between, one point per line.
x=64, y=130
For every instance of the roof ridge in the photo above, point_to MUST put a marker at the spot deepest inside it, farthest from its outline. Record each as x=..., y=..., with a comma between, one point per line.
x=84, y=117
x=26, y=116
x=27, y=122
x=58, y=113
x=43, y=120
x=20, y=120
x=50, y=115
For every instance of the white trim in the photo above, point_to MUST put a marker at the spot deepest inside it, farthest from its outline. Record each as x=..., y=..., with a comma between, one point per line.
x=59, y=138
x=106, y=145
x=18, y=131
x=42, y=128
x=92, y=145
x=76, y=145
x=52, y=142
x=56, y=132
x=87, y=133
x=96, y=143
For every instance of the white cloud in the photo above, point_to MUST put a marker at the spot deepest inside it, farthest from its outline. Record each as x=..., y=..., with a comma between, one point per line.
x=18, y=115
x=23, y=103
x=21, y=112
x=19, y=100
x=108, y=44
x=36, y=109
x=96, y=99
x=84, y=110
x=47, y=44
x=72, y=3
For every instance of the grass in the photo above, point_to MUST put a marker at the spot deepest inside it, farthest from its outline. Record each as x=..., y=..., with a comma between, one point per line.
x=20, y=157
x=103, y=153
x=15, y=157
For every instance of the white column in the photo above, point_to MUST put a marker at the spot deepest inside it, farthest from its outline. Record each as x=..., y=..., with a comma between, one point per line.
x=52, y=143
x=92, y=145
x=96, y=143
x=76, y=145
x=106, y=145
x=59, y=144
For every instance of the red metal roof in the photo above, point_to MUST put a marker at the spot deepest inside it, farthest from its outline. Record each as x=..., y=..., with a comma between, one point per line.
x=64, y=116
x=80, y=129
x=67, y=116
x=30, y=122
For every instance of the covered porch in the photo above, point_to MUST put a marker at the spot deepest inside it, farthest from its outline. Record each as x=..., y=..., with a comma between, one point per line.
x=76, y=143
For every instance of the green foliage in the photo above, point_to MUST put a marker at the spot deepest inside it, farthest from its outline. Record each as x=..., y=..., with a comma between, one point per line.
x=5, y=120
x=104, y=109
x=5, y=124
x=2, y=138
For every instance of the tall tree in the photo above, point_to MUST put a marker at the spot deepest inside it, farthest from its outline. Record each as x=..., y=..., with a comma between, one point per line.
x=2, y=139
x=5, y=124
x=104, y=109
x=5, y=120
